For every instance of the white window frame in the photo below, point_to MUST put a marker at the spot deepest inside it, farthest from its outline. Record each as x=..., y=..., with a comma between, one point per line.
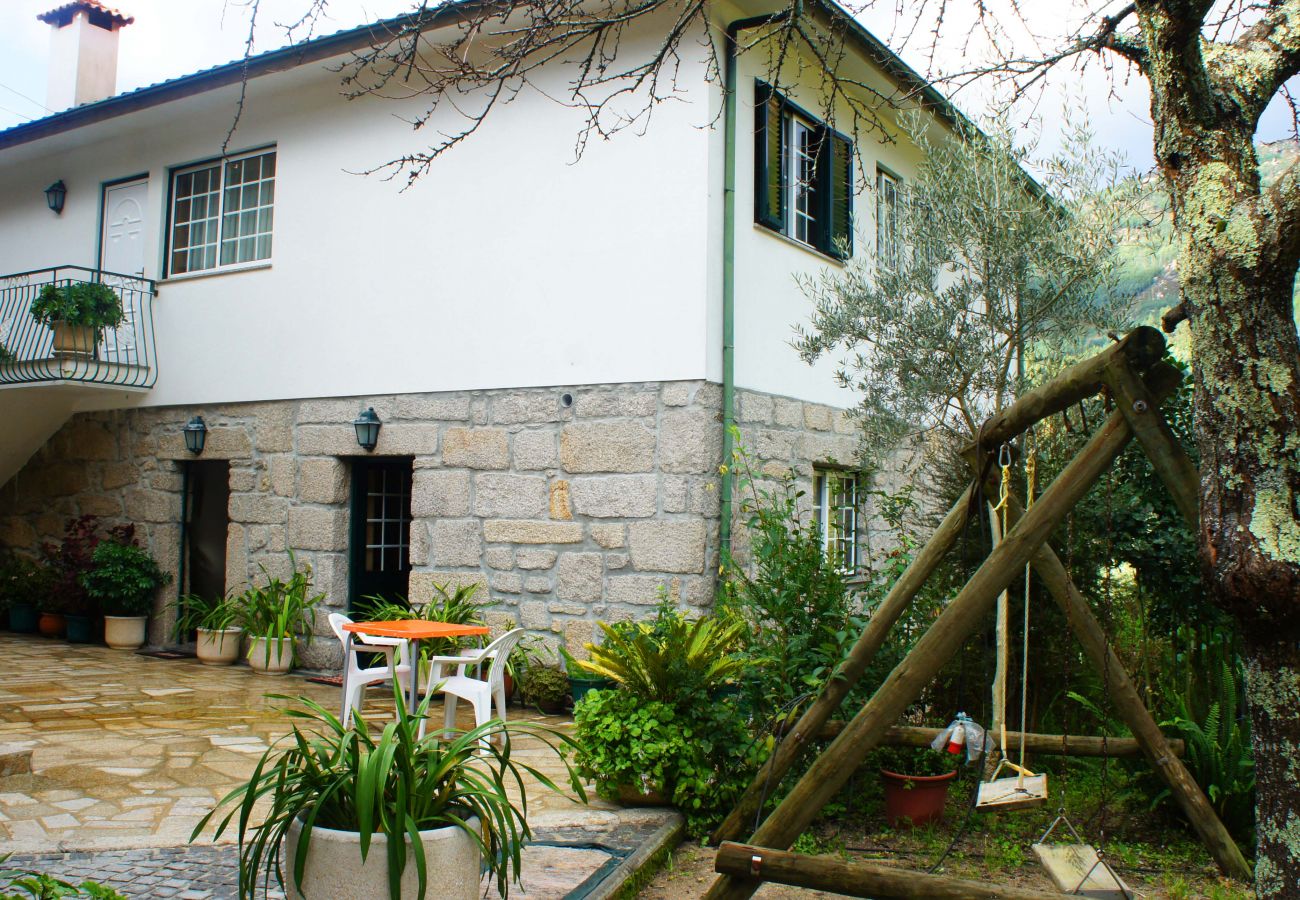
x=831, y=515
x=889, y=238
x=222, y=165
x=798, y=188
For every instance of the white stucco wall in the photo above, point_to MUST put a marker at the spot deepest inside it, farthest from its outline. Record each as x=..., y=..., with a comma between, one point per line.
x=507, y=265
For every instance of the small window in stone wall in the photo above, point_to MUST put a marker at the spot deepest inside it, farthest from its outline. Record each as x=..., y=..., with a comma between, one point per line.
x=837, y=514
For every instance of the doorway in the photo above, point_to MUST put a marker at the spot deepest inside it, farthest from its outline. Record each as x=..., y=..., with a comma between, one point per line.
x=380, y=543
x=207, y=494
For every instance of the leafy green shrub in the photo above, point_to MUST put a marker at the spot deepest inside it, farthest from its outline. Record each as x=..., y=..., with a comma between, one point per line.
x=543, y=686
x=73, y=558
x=124, y=579
x=919, y=761
x=78, y=303
x=23, y=884
x=700, y=755
x=6, y=355
x=23, y=581
x=392, y=783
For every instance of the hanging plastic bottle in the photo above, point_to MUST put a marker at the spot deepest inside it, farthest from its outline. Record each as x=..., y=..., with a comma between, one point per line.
x=962, y=732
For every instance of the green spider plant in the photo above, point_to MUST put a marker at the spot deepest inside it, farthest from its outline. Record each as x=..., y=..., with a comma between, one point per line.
x=279, y=610
x=455, y=605
x=392, y=783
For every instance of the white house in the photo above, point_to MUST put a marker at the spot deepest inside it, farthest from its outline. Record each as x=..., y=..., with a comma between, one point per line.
x=542, y=340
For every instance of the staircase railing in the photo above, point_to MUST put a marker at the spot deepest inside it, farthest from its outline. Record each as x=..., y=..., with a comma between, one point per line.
x=123, y=356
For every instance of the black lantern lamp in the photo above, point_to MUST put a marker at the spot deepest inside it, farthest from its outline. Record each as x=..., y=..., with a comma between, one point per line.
x=367, y=426
x=55, y=194
x=196, y=432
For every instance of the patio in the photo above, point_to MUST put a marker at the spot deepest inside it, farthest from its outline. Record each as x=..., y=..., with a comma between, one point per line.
x=129, y=752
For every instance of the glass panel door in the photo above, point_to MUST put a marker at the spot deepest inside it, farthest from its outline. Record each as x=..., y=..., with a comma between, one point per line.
x=381, y=528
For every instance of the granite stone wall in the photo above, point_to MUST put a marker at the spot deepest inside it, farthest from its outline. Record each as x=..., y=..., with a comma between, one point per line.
x=566, y=505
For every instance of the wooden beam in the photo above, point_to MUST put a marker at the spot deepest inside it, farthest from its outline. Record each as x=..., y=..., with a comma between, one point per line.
x=1042, y=744
x=832, y=769
x=859, y=878
x=1142, y=348
x=864, y=650
x=1167, y=455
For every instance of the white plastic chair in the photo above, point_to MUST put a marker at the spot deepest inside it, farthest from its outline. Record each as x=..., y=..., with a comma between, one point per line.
x=478, y=691
x=355, y=678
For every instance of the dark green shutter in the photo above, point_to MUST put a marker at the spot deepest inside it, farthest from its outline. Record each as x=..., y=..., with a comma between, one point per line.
x=835, y=183
x=769, y=157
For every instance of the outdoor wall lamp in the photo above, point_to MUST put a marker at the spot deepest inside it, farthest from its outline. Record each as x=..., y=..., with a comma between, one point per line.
x=55, y=194
x=367, y=426
x=196, y=433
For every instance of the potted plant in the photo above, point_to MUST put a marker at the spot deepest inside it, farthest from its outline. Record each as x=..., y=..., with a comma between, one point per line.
x=218, y=638
x=916, y=783
x=123, y=581
x=6, y=356
x=581, y=681
x=365, y=815
x=274, y=614
x=77, y=311
x=545, y=687
x=51, y=622
x=22, y=583
x=456, y=606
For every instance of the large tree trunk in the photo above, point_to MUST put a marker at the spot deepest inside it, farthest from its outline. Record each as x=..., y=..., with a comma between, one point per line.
x=1237, y=289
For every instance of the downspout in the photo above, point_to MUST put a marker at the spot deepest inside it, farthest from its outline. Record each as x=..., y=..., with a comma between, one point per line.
x=729, y=268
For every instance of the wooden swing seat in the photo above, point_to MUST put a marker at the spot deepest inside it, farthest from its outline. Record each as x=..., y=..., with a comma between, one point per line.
x=1076, y=869
x=1004, y=794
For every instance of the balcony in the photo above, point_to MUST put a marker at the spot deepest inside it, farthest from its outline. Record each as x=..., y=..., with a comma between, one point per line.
x=123, y=357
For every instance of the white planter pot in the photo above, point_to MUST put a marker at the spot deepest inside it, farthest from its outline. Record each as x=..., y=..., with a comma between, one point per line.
x=219, y=647
x=334, y=868
x=125, y=632
x=268, y=656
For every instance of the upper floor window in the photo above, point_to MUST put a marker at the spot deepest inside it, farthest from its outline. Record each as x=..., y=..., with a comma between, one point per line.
x=803, y=175
x=889, y=238
x=221, y=213
x=836, y=515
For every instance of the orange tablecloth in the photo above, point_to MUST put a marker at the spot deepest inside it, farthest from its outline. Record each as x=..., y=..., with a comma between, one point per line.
x=416, y=629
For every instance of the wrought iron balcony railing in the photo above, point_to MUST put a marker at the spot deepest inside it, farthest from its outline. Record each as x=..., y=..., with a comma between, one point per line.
x=121, y=356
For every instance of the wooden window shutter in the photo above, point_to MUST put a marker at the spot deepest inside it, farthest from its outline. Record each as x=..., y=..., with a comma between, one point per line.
x=835, y=174
x=769, y=157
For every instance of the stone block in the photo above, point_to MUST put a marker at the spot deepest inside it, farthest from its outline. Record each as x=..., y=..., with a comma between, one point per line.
x=577, y=635
x=676, y=492
x=403, y=439
x=508, y=496
x=667, y=546
x=280, y=477
x=420, y=584
x=457, y=542
x=338, y=412
x=221, y=442
x=507, y=582
x=678, y=393
x=316, y=528
x=787, y=413
x=441, y=407
x=845, y=422
x=106, y=505
x=534, y=450
x=420, y=547
x=615, y=496
x=616, y=561
x=709, y=396
x=607, y=447
x=641, y=590
x=578, y=576
x=259, y=509
x=88, y=440
x=690, y=441
x=17, y=532
x=533, y=615
x=152, y=506
x=500, y=621
x=330, y=577
x=753, y=408
x=499, y=557
x=329, y=440
x=60, y=479
x=322, y=481
x=773, y=444
x=616, y=403
x=568, y=608
x=236, y=557
x=841, y=449
x=537, y=584
x=476, y=448
x=608, y=536
x=533, y=559
x=559, y=503
x=506, y=531
x=527, y=407
x=440, y=492
x=116, y=475
x=818, y=417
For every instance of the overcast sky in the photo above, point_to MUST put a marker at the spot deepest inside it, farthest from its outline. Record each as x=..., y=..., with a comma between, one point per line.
x=176, y=37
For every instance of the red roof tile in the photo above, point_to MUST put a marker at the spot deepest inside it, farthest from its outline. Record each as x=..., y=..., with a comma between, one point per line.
x=101, y=15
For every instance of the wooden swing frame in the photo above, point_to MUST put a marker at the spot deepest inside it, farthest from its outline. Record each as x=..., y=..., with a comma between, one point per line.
x=1138, y=380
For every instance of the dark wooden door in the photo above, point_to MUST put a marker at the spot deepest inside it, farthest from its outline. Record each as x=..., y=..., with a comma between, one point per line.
x=381, y=528
x=206, y=524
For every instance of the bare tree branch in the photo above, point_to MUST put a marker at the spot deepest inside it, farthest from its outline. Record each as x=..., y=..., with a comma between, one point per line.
x=1252, y=68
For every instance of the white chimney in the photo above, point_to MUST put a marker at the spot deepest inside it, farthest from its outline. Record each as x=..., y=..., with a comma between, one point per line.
x=83, y=53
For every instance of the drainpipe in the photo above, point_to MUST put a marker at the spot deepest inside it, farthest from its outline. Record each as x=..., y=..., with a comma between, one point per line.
x=729, y=265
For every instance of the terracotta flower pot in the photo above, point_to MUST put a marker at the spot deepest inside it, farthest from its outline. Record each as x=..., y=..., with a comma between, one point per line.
x=51, y=625
x=79, y=339
x=912, y=800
